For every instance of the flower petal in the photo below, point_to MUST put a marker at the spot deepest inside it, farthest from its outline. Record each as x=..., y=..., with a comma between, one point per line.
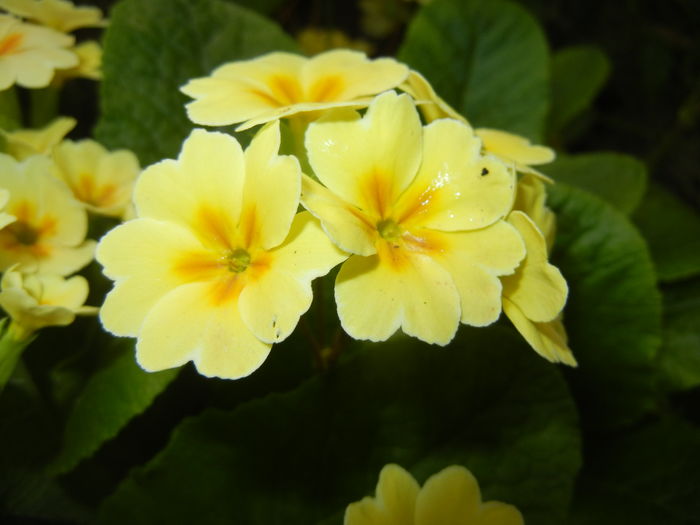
x=475, y=260
x=271, y=191
x=450, y=497
x=514, y=147
x=369, y=162
x=547, y=339
x=497, y=513
x=537, y=287
x=347, y=226
x=271, y=305
x=456, y=187
x=378, y=294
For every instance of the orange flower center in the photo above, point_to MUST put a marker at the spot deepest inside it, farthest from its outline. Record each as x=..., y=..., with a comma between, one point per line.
x=90, y=193
x=24, y=233
x=10, y=43
x=285, y=90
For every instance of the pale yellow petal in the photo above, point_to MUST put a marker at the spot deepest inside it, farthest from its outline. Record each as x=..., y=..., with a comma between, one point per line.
x=475, y=260
x=497, y=513
x=547, y=339
x=346, y=225
x=376, y=296
x=64, y=260
x=70, y=293
x=271, y=305
x=456, y=188
x=431, y=105
x=537, y=287
x=25, y=142
x=531, y=197
x=394, y=503
x=514, y=147
x=450, y=497
x=271, y=192
x=369, y=162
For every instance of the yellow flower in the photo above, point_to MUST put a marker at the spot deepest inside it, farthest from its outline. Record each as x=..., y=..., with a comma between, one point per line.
x=279, y=85
x=431, y=105
x=450, y=497
x=535, y=295
x=103, y=181
x=34, y=301
x=29, y=54
x=531, y=198
x=48, y=235
x=89, y=63
x=218, y=265
x=5, y=218
x=314, y=40
x=23, y=143
x=420, y=209
x=60, y=15
x=516, y=149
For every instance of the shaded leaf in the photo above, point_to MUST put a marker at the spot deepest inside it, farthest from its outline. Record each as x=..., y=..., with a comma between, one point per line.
x=487, y=58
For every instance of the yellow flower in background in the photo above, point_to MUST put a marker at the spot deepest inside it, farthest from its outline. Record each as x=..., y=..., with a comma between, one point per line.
x=279, y=85
x=420, y=209
x=34, y=301
x=314, y=40
x=531, y=198
x=30, y=54
x=23, y=143
x=218, y=265
x=103, y=181
x=450, y=497
x=516, y=149
x=5, y=218
x=89, y=55
x=535, y=295
x=49, y=233
x=60, y=15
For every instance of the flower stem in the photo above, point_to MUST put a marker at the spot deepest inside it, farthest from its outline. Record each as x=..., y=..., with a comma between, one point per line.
x=13, y=341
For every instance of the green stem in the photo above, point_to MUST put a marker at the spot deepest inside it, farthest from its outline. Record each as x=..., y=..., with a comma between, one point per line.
x=298, y=125
x=13, y=341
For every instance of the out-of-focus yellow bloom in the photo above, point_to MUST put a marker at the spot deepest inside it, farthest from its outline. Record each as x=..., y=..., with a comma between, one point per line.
x=103, y=181
x=23, y=143
x=379, y=18
x=30, y=54
x=60, y=15
x=34, y=301
x=516, y=149
x=420, y=209
x=89, y=55
x=49, y=233
x=279, y=85
x=535, y=295
x=450, y=497
x=5, y=218
x=219, y=265
x=314, y=40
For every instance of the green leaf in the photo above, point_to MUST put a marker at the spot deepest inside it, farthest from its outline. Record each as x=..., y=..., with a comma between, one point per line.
x=619, y=179
x=110, y=399
x=672, y=229
x=680, y=354
x=261, y=6
x=486, y=401
x=152, y=48
x=487, y=58
x=578, y=74
x=647, y=477
x=613, y=314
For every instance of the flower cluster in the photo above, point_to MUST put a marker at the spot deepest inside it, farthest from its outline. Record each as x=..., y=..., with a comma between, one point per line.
x=430, y=219
x=36, y=47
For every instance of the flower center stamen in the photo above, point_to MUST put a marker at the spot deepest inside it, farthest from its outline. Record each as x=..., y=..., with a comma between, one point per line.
x=24, y=233
x=238, y=260
x=389, y=230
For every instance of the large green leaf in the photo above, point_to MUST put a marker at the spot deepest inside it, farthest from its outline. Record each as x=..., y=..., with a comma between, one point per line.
x=487, y=402
x=680, y=353
x=111, y=398
x=152, y=48
x=672, y=229
x=648, y=477
x=619, y=179
x=578, y=73
x=613, y=315
x=487, y=58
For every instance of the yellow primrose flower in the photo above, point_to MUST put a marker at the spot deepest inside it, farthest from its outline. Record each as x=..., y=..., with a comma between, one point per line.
x=420, y=209
x=103, y=181
x=60, y=15
x=516, y=149
x=29, y=54
x=23, y=143
x=49, y=233
x=431, y=105
x=314, y=40
x=450, y=497
x=531, y=198
x=89, y=55
x=218, y=265
x=534, y=296
x=34, y=301
x=5, y=218
x=279, y=85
